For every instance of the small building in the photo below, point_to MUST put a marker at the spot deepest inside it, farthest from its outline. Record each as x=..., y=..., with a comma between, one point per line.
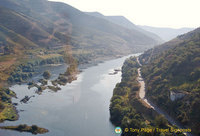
x=176, y=95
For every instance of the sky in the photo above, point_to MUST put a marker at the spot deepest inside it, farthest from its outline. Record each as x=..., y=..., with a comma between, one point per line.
x=157, y=13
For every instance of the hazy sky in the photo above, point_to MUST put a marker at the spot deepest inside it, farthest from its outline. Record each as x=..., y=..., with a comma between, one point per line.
x=160, y=13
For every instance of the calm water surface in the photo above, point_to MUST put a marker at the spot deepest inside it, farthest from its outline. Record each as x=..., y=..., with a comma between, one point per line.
x=78, y=109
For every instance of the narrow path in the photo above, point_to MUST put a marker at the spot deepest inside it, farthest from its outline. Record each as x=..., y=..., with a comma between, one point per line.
x=142, y=93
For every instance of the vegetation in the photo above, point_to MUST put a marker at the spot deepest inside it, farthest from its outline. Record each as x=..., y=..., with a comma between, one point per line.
x=7, y=110
x=120, y=107
x=40, y=40
x=46, y=74
x=44, y=35
x=25, y=128
x=127, y=110
x=43, y=38
x=26, y=70
x=40, y=88
x=26, y=99
x=175, y=67
x=54, y=88
x=42, y=81
x=71, y=71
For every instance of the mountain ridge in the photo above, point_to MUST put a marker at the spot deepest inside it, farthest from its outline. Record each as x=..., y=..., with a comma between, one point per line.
x=31, y=28
x=123, y=21
x=73, y=16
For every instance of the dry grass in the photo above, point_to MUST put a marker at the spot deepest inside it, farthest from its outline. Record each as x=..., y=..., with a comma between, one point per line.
x=49, y=56
x=6, y=64
x=5, y=67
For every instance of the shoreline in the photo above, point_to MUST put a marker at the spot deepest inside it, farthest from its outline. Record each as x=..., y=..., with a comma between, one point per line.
x=142, y=95
x=81, y=67
x=108, y=63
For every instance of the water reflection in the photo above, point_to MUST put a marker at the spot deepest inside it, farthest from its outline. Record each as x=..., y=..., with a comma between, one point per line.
x=78, y=109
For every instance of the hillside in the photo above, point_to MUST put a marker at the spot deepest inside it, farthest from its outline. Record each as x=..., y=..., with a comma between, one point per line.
x=55, y=24
x=172, y=75
x=31, y=28
x=166, y=33
x=122, y=21
x=38, y=32
x=132, y=113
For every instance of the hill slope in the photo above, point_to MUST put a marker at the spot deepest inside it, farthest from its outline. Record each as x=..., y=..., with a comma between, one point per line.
x=39, y=32
x=55, y=24
x=172, y=76
x=122, y=21
x=38, y=27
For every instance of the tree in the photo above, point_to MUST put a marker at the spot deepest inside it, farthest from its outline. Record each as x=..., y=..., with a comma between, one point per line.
x=21, y=127
x=34, y=128
x=46, y=74
x=2, y=106
x=8, y=50
x=160, y=121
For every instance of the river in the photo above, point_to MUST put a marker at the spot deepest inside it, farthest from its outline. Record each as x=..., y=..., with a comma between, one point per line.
x=78, y=109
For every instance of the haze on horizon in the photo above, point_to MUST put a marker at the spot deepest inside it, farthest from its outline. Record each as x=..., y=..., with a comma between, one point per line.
x=156, y=13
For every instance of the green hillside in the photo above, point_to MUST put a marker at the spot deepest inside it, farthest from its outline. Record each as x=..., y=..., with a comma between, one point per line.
x=172, y=75
x=130, y=112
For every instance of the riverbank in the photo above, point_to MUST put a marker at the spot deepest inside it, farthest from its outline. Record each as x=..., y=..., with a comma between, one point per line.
x=8, y=110
x=74, y=110
x=142, y=95
x=25, y=128
x=129, y=107
x=126, y=108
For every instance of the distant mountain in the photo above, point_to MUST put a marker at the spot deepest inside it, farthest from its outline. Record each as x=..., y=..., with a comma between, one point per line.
x=54, y=24
x=122, y=21
x=172, y=75
x=166, y=33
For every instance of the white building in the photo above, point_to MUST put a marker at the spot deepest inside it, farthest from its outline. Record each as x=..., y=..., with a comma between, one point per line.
x=176, y=95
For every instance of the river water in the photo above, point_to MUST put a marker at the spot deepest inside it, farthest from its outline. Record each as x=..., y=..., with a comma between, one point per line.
x=78, y=109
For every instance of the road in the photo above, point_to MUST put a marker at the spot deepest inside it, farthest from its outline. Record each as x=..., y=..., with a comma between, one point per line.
x=142, y=93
